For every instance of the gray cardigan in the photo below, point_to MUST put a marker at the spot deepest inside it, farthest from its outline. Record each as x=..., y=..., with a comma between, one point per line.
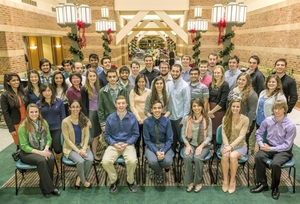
x=249, y=107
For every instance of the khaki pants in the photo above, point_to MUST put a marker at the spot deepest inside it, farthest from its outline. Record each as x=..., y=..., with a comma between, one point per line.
x=110, y=156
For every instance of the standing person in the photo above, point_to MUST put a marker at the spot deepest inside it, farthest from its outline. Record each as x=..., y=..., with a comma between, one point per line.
x=123, y=80
x=89, y=98
x=13, y=104
x=185, y=61
x=94, y=62
x=106, y=63
x=135, y=70
x=288, y=84
x=76, y=138
x=53, y=110
x=60, y=88
x=164, y=70
x=233, y=72
x=35, y=141
x=205, y=78
x=137, y=99
x=74, y=91
x=267, y=98
x=159, y=92
x=33, y=87
x=149, y=72
x=245, y=92
x=171, y=57
x=196, y=136
x=67, y=66
x=77, y=67
x=107, y=95
x=212, y=61
x=277, y=145
x=181, y=98
x=121, y=133
x=234, y=129
x=158, y=137
x=218, y=92
x=257, y=77
x=198, y=90
x=46, y=74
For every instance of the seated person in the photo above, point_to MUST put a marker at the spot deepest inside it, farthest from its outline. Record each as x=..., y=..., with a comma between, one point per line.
x=35, y=140
x=158, y=137
x=196, y=135
x=234, y=129
x=121, y=132
x=277, y=146
x=76, y=137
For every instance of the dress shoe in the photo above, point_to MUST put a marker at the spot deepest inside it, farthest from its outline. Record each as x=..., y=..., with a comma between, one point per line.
x=259, y=188
x=55, y=192
x=198, y=189
x=132, y=187
x=113, y=187
x=225, y=187
x=232, y=187
x=275, y=193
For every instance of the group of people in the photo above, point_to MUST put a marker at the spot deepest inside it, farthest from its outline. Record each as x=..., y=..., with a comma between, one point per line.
x=151, y=112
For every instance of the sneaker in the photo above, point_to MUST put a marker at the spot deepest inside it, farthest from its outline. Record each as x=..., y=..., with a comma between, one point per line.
x=131, y=187
x=159, y=179
x=151, y=174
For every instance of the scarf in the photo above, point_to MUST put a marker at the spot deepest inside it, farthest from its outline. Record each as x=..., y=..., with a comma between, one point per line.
x=39, y=130
x=201, y=131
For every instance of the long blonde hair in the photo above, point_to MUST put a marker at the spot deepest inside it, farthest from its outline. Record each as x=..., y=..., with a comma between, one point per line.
x=214, y=81
x=227, y=124
x=28, y=122
x=248, y=88
x=87, y=84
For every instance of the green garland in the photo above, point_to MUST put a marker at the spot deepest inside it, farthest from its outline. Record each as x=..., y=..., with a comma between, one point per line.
x=105, y=44
x=227, y=50
x=73, y=50
x=196, y=48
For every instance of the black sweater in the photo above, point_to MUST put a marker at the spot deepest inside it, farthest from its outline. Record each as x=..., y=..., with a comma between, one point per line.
x=290, y=91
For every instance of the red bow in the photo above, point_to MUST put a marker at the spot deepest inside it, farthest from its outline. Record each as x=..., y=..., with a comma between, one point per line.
x=222, y=25
x=193, y=32
x=81, y=40
x=110, y=38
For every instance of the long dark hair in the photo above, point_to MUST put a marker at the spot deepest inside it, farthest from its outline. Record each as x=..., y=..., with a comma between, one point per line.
x=63, y=85
x=30, y=87
x=154, y=93
x=136, y=87
x=82, y=120
x=200, y=103
x=43, y=87
x=12, y=96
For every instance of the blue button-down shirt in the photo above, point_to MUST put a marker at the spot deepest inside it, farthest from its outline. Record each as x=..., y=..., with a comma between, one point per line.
x=45, y=79
x=231, y=77
x=98, y=70
x=186, y=75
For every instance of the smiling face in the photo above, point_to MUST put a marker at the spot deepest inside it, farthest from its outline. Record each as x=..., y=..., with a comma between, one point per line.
x=141, y=83
x=124, y=75
x=78, y=67
x=233, y=64
x=75, y=108
x=252, y=64
x=75, y=81
x=34, y=78
x=196, y=108
x=272, y=84
x=185, y=61
x=94, y=62
x=112, y=78
x=212, y=60
x=218, y=74
x=242, y=81
x=203, y=69
x=33, y=113
x=121, y=105
x=67, y=67
x=278, y=112
x=159, y=85
x=149, y=62
x=58, y=79
x=175, y=73
x=92, y=77
x=14, y=82
x=47, y=93
x=163, y=70
x=45, y=67
x=236, y=108
x=135, y=69
x=280, y=67
x=106, y=64
x=194, y=76
x=156, y=110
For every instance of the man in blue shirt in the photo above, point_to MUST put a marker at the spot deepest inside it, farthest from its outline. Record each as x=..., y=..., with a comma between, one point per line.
x=276, y=145
x=94, y=62
x=121, y=132
x=233, y=72
x=158, y=137
x=185, y=61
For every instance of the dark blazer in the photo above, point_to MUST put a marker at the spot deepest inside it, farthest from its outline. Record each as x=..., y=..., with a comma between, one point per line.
x=258, y=81
x=290, y=91
x=12, y=115
x=223, y=92
x=85, y=101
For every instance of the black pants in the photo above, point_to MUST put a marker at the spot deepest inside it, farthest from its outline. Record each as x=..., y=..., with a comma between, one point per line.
x=176, y=127
x=279, y=158
x=56, y=143
x=138, y=142
x=44, y=168
x=250, y=131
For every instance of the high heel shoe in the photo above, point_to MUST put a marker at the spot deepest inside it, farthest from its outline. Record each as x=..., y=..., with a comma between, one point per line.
x=232, y=188
x=225, y=186
x=77, y=187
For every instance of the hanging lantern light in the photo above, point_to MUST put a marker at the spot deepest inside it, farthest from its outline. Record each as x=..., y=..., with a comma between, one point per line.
x=232, y=13
x=112, y=25
x=197, y=12
x=60, y=15
x=84, y=12
x=217, y=14
x=242, y=14
x=70, y=14
x=191, y=24
x=104, y=12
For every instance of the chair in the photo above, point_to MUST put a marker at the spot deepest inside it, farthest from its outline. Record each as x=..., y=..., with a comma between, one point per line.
x=144, y=167
x=69, y=162
x=22, y=167
x=241, y=161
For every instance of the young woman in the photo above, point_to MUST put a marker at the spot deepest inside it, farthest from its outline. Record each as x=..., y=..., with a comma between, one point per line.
x=35, y=141
x=245, y=92
x=196, y=135
x=218, y=92
x=60, y=89
x=137, y=99
x=159, y=92
x=33, y=87
x=267, y=97
x=89, y=98
x=234, y=129
x=53, y=110
x=76, y=137
x=73, y=93
x=13, y=104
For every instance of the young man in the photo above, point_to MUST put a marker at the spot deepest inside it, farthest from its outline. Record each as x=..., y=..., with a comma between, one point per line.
x=233, y=72
x=149, y=72
x=94, y=62
x=198, y=90
x=76, y=67
x=181, y=98
x=135, y=70
x=212, y=60
x=164, y=69
x=121, y=133
x=123, y=80
x=67, y=65
x=257, y=77
x=288, y=84
x=277, y=146
x=158, y=137
x=46, y=74
x=106, y=63
x=185, y=61
x=107, y=95
x=205, y=78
